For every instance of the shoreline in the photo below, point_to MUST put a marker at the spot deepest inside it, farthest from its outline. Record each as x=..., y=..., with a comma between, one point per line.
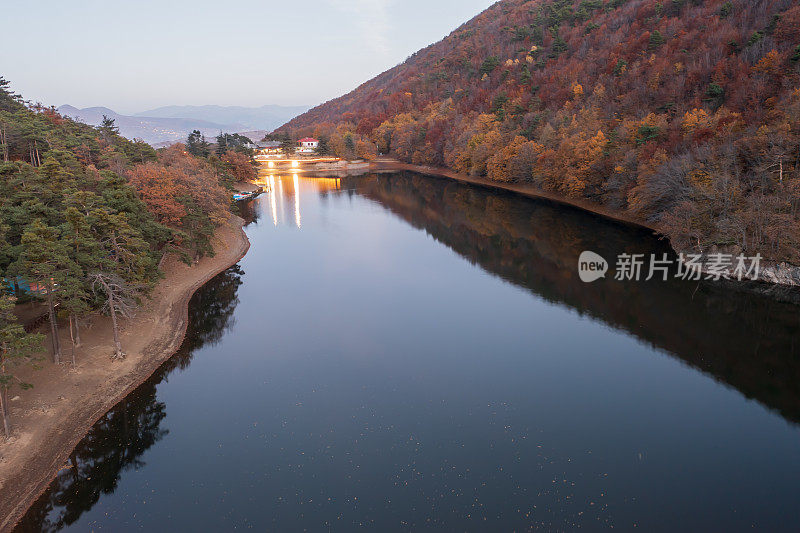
x=772, y=274
x=49, y=420
x=521, y=189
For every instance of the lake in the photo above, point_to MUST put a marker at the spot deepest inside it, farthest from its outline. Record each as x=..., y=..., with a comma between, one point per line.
x=401, y=352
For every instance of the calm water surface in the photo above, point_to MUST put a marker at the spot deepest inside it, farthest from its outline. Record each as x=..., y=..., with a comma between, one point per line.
x=398, y=352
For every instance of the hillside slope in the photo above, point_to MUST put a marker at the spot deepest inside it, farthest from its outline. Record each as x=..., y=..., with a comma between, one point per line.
x=683, y=112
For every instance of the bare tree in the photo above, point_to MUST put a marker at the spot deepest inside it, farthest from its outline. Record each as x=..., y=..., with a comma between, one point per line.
x=120, y=302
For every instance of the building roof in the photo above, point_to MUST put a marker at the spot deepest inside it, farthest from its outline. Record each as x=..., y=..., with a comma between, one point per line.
x=308, y=140
x=269, y=144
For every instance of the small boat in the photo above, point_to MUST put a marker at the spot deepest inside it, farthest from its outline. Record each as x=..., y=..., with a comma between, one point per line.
x=240, y=196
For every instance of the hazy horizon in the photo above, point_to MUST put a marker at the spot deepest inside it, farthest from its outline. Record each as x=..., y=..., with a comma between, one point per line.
x=135, y=57
x=142, y=112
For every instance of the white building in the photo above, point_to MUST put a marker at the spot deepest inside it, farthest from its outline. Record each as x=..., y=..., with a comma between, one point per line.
x=308, y=145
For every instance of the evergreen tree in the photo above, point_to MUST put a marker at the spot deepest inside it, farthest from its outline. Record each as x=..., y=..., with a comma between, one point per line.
x=324, y=147
x=350, y=146
x=656, y=40
x=197, y=145
x=16, y=347
x=222, y=144
x=84, y=250
x=108, y=127
x=45, y=260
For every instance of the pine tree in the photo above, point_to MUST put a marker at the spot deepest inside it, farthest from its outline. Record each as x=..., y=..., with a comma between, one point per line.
x=84, y=249
x=45, y=260
x=197, y=145
x=108, y=127
x=222, y=144
x=16, y=347
x=74, y=298
x=656, y=40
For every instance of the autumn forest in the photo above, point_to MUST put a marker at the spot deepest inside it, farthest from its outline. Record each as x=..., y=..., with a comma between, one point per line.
x=86, y=217
x=682, y=113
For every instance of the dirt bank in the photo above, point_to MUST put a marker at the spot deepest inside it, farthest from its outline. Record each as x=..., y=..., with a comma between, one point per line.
x=51, y=419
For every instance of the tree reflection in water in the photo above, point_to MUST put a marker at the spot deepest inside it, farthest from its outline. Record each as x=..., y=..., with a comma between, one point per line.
x=118, y=440
x=742, y=338
x=247, y=210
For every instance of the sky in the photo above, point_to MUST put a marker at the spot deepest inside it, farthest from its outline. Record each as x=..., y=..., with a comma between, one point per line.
x=132, y=56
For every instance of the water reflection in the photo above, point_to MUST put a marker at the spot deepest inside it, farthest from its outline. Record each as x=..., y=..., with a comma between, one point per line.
x=743, y=339
x=247, y=210
x=283, y=190
x=272, y=201
x=349, y=397
x=117, y=441
x=296, y=183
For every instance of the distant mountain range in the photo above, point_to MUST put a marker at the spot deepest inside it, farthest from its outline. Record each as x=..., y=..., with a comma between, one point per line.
x=267, y=117
x=174, y=123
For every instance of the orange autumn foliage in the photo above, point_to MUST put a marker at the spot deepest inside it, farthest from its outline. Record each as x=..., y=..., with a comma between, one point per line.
x=666, y=87
x=239, y=165
x=159, y=188
x=183, y=193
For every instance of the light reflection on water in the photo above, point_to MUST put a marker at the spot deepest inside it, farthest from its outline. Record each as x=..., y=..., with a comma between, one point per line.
x=280, y=196
x=422, y=354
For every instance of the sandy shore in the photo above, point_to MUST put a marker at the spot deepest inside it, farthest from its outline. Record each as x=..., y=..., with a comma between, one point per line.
x=49, y=420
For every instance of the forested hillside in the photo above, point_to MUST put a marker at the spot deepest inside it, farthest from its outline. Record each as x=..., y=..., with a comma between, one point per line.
x=685, y=113
x=86, y=216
